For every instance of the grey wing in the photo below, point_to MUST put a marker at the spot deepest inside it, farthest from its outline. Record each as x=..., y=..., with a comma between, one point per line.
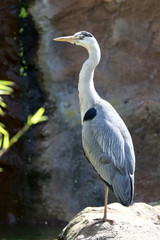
x=109, y=148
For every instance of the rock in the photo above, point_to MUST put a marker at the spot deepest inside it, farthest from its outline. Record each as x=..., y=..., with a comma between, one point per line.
x=139, y=221
x=127, y=77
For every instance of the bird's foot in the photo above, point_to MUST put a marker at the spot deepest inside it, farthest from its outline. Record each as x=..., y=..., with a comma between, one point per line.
x=102, y=220
x=109, y=220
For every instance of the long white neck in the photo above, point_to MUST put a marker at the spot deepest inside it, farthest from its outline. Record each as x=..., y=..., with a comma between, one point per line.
x=88, y=97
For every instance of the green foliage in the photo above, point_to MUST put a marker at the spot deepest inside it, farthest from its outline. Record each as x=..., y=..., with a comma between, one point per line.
x=5, y=89
x=5, y=140
x=21, y=30
x=37, y=117
x=4, y=137
x=23, y=13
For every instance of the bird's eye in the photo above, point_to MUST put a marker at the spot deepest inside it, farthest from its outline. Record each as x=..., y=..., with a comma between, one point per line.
x=81, y=37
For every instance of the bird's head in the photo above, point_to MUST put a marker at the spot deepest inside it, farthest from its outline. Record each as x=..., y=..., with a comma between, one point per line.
x=83, y=38
x=86, y=40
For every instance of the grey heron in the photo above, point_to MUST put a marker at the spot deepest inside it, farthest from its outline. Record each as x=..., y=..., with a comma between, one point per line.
x=105, y=138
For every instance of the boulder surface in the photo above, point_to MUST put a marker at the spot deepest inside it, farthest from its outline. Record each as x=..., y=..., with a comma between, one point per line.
x=139, y=221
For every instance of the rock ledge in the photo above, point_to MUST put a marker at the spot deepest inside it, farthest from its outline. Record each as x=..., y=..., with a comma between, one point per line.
x=139, y=221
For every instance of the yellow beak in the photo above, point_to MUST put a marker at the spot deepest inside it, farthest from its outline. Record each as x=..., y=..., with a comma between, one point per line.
x=70, y=39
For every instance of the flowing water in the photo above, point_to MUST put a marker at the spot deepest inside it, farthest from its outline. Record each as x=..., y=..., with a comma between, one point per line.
x=21, y=232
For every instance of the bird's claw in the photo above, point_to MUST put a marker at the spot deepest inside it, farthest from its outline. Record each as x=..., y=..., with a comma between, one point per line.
x=102, y=220
x=109, y=220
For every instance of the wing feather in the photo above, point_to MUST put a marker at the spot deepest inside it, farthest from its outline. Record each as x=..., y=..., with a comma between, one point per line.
x=111, y=143
x=108, y=146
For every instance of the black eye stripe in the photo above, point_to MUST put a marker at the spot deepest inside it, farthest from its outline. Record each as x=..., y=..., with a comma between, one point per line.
x=86, y=34
x=81, y=35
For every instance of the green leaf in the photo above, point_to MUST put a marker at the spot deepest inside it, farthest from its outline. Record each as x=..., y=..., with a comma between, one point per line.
x=6, y=141
x=4, y=87
x=1, y=112
x=3, y=92
x=4, y=82
x=21, y=30
x=5, y=138
x=1, y=140
x=2, y=104
x=2, y=130
x=37, y=117
x=21, y=70
x=43, y=118
x=23, y=13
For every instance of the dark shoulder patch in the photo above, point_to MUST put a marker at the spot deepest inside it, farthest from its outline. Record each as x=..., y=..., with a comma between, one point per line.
x=90, y=114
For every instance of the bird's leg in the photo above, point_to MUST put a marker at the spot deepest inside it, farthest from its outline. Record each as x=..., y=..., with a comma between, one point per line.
x=105, y=203
x=105, y=207
x=104, y=219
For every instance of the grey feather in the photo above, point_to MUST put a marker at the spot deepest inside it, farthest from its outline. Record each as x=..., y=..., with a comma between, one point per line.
x=108, y=146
